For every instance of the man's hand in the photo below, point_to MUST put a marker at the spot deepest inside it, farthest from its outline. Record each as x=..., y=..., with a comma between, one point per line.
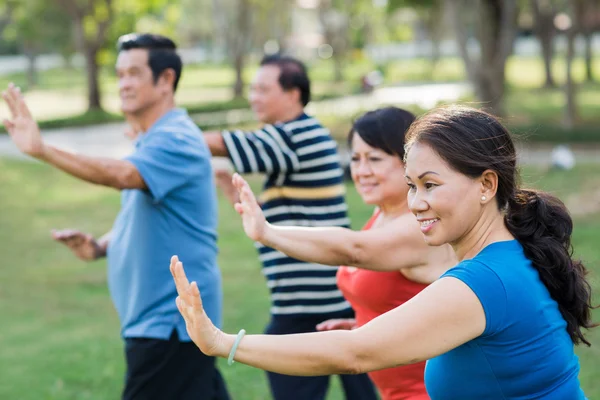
x=334, y=324
x=22, y=128
x=83, y=245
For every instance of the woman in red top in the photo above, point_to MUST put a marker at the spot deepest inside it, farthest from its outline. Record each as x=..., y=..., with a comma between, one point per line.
x=389, y=262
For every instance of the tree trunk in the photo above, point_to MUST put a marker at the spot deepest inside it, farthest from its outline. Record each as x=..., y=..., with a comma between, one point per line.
x=338, y=67
x=589, y=71
x=92, y=72
x=546, y=42
x=238, y=87
x=238, y=45
x=433, y=22
x=32, y=75
x=543, y=14
x=570, y=117
x=496, y=33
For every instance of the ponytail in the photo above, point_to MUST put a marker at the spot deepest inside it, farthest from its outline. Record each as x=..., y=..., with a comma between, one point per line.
x=543, y=226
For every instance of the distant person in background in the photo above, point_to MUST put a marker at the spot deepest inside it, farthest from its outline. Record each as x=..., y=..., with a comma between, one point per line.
x=304, y=186
x=388, y=261
x=168, y=205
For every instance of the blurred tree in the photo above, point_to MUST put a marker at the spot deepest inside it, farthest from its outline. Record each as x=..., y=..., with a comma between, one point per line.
x=272, y=24
x=335, y=17
x=241, y=25
x=32, y=37
x=588, y=18
x=495, y=31
x=91, y=20
x=570, y=23
x=544, y=12
x=196, y=24
x=234, y=28
x=7, y=8
x=431, y=14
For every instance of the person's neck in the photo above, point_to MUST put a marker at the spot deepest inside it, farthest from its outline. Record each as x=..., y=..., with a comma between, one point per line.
x=489, y=229
x=149, y=116
x=289, y=115
x=393, y=209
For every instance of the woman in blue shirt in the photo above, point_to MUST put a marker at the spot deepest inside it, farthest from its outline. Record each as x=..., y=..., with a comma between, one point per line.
x=502, y=324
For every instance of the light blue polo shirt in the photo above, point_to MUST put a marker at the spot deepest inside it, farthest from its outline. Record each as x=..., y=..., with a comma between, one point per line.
x=177, y=215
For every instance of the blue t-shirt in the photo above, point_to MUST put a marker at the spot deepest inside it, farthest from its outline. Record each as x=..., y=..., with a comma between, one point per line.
x=524, y=352
x=177, y=215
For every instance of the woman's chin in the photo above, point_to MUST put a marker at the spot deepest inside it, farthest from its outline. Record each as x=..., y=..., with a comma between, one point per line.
x=432, y=240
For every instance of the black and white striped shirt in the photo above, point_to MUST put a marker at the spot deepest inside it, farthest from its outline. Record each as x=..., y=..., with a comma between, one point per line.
x=304, y=187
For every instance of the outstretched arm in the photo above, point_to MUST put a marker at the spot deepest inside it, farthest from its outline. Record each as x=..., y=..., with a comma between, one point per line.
x=216, y=144
x=443, y=316
x=25, y=133
x=390, y=248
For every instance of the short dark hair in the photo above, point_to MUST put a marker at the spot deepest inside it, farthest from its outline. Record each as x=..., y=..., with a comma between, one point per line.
x=292, y=74
x=162, y=53
x=383, y=129
x=471, y=141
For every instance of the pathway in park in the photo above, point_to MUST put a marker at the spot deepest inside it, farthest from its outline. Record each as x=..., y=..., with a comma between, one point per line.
x=108, y=140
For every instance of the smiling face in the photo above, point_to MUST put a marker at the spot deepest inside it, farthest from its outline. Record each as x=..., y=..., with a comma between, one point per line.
x=377, y=175
x=447, y=204
x=137, y=88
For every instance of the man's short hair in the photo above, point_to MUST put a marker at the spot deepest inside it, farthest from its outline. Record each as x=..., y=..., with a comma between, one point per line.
x=292, y=74
x=162, y=53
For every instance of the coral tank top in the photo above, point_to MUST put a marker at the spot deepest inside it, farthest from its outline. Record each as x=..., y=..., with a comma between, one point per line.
x=371, y=294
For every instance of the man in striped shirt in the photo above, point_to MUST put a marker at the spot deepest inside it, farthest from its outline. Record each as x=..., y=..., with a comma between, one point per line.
x=303, y=187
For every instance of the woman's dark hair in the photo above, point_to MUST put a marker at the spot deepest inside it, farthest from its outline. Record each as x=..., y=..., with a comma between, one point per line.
x=292, y=74
x=161, y=53
x=471, y=141
x=383, y=129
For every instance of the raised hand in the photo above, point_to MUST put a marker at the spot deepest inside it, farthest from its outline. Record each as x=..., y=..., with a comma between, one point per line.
x=83, y=245
x=22, y=128
x=255, y=224
x=200, y=328
x=333, y=324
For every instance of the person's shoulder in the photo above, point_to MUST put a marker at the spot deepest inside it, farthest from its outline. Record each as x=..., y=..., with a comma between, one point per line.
x=177, y=132
x=176, y=124
x=304, y=122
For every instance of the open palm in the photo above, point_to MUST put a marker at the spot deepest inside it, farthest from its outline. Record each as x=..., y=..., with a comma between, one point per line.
x=22, y=128
x=189, y=302
x=252, y=215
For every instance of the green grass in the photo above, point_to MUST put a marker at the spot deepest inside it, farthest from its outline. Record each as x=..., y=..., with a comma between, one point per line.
x=60, y=334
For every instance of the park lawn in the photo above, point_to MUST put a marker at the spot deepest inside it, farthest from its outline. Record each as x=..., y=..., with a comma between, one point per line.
x=60, y=335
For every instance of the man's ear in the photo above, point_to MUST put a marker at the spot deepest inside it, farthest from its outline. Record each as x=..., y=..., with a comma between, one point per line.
x=167, y=78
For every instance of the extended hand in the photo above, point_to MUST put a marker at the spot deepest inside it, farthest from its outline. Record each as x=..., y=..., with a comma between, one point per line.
x=200, y=328
x=22, y=128
x=333, y=324
x=253, y=218
x=83, y=245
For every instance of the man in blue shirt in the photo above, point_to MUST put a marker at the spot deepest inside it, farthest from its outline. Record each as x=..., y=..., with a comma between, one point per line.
x=168, y=206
